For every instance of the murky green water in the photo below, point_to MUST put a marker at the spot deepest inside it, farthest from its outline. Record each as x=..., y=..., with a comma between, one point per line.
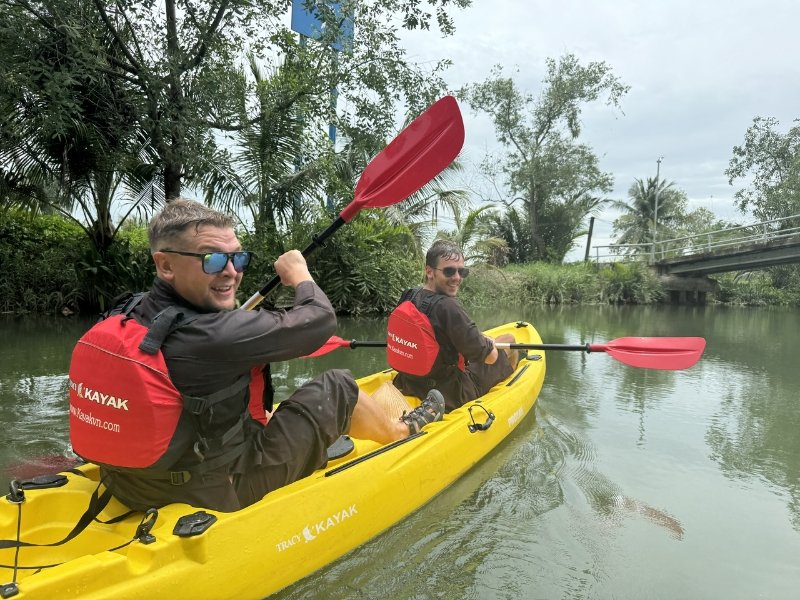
x=623, y=483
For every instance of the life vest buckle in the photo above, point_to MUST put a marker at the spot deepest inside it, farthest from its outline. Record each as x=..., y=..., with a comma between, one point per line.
x=200, y=448
x=179, y=477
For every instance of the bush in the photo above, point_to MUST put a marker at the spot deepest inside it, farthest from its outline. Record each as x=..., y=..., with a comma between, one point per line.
x=38, y=254
x=363, y=268
x=547, y=283
x=51, y=267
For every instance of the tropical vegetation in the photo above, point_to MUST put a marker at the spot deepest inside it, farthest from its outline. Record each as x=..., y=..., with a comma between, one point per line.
x=111, y=109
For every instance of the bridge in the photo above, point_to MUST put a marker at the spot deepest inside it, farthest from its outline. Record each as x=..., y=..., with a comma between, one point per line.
x=686, y=262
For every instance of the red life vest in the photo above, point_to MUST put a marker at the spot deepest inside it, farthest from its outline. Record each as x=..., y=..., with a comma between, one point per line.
x=124, y=409
x=411, y=344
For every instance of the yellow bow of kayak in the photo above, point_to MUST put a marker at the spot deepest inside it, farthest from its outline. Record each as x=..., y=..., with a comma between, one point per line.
x=181, y=551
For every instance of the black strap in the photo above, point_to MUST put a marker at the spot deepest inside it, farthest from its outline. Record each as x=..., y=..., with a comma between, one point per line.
x=163, y=324
x=426, y=304
x=96, y=504
x=124, y=304
x=199, y=404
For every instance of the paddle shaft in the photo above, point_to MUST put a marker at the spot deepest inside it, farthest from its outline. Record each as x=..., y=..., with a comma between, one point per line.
x=580, y=348
x=316, y=242
x=420, y=152
x=584, y=347
x=669, y=353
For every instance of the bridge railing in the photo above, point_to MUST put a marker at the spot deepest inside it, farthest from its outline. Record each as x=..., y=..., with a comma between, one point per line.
x=732, y=239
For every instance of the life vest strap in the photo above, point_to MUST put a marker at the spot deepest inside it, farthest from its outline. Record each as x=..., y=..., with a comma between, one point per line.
x=164, y=323
x=200, y=404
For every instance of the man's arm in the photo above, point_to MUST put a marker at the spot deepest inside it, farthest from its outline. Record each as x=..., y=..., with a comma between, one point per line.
x=463, y=333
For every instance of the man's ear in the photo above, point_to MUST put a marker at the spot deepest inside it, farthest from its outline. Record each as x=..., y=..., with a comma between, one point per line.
x=163, y=263
x=428, y=273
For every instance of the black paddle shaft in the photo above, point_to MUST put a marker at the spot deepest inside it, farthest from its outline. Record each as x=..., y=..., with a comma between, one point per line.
x=316, y=242
x=581, y=348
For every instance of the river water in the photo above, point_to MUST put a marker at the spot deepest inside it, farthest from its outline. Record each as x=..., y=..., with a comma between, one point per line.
x=622, y=483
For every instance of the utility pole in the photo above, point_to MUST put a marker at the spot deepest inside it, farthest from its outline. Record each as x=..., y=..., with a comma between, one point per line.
x=655, y=212
x=589, y=240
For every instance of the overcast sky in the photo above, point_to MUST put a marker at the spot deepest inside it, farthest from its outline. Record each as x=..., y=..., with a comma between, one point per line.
x=699, y=72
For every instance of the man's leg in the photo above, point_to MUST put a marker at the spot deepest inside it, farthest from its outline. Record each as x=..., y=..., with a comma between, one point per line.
x=513, y=355
x=370, y=422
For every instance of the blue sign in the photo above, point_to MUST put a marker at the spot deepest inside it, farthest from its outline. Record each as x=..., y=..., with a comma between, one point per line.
x=306, y=20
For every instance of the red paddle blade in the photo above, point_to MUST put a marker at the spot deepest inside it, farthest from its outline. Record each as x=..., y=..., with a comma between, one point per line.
x=668, y=353
x=420, y=152
x=332, y=344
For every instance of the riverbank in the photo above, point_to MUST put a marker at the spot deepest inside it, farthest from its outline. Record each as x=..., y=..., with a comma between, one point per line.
x=51, y=269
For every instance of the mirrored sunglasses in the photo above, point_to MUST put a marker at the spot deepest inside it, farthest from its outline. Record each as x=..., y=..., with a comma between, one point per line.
x=215, y=262
x=450, y=271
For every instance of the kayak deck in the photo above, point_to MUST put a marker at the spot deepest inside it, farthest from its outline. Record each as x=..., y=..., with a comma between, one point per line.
x=284, y=537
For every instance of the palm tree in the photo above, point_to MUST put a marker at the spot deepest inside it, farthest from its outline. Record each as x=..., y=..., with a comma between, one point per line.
x=636, y=224
x=473, y=234
x=275, y=161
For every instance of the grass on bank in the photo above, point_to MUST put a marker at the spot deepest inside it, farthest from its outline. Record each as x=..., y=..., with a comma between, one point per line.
x=544, y=283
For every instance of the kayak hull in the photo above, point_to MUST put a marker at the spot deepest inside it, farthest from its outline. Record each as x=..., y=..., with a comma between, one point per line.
x=291, y=533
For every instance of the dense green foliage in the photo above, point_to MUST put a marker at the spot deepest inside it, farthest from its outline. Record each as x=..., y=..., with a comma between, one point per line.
x=363, y=268
x=50, y=267
x=779, y=286
x=544, y=283
x=38, y=257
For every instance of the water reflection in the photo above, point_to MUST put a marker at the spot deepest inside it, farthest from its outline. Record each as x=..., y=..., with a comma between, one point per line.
x=622, y=481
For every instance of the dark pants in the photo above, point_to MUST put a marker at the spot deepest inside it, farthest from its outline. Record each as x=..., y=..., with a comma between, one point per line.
x=294, y=444
x=458, y=387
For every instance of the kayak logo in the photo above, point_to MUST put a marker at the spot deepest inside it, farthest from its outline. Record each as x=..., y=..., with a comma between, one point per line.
x=308, y=535
x=398, y=340
x=311, y=531
x=98, y=397
x=515, y=418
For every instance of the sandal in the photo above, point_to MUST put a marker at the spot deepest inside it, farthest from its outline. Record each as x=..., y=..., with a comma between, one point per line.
x=431, y=410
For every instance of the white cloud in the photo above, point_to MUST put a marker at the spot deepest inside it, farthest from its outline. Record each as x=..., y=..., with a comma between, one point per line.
x=699, y=71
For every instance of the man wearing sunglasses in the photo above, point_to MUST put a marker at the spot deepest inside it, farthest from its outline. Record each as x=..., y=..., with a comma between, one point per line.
x=467, y=364
x=220, y=452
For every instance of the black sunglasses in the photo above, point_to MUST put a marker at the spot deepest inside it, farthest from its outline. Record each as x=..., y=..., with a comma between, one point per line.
x=215, y=262
x=450, y=271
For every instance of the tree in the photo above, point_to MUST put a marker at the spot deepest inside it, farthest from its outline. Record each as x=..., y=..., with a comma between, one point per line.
x=557, y=179
x=771, y=162
x=635, y=225
x=473, y=233
x=131, y=100
x=178, y=63
x=69, y=138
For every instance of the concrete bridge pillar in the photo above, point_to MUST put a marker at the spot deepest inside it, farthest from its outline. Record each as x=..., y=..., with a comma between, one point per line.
x=688, y=290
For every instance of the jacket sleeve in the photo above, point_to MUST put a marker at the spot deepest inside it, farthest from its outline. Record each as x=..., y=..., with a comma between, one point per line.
x=462, y=331
x=262, y=336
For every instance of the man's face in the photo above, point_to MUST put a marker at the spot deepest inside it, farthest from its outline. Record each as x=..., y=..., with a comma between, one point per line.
x=436, y=280
x=185, y=273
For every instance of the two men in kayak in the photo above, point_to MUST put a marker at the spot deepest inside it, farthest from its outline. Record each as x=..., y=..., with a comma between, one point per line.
x=450, y=354
x=185, y=370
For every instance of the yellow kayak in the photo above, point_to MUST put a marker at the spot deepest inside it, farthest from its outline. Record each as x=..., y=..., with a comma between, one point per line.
x=180, y=551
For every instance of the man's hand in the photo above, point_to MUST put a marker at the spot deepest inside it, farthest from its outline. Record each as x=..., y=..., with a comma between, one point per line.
x=291, y=267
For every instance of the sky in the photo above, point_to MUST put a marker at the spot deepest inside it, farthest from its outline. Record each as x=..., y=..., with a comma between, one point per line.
x=699, y=71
